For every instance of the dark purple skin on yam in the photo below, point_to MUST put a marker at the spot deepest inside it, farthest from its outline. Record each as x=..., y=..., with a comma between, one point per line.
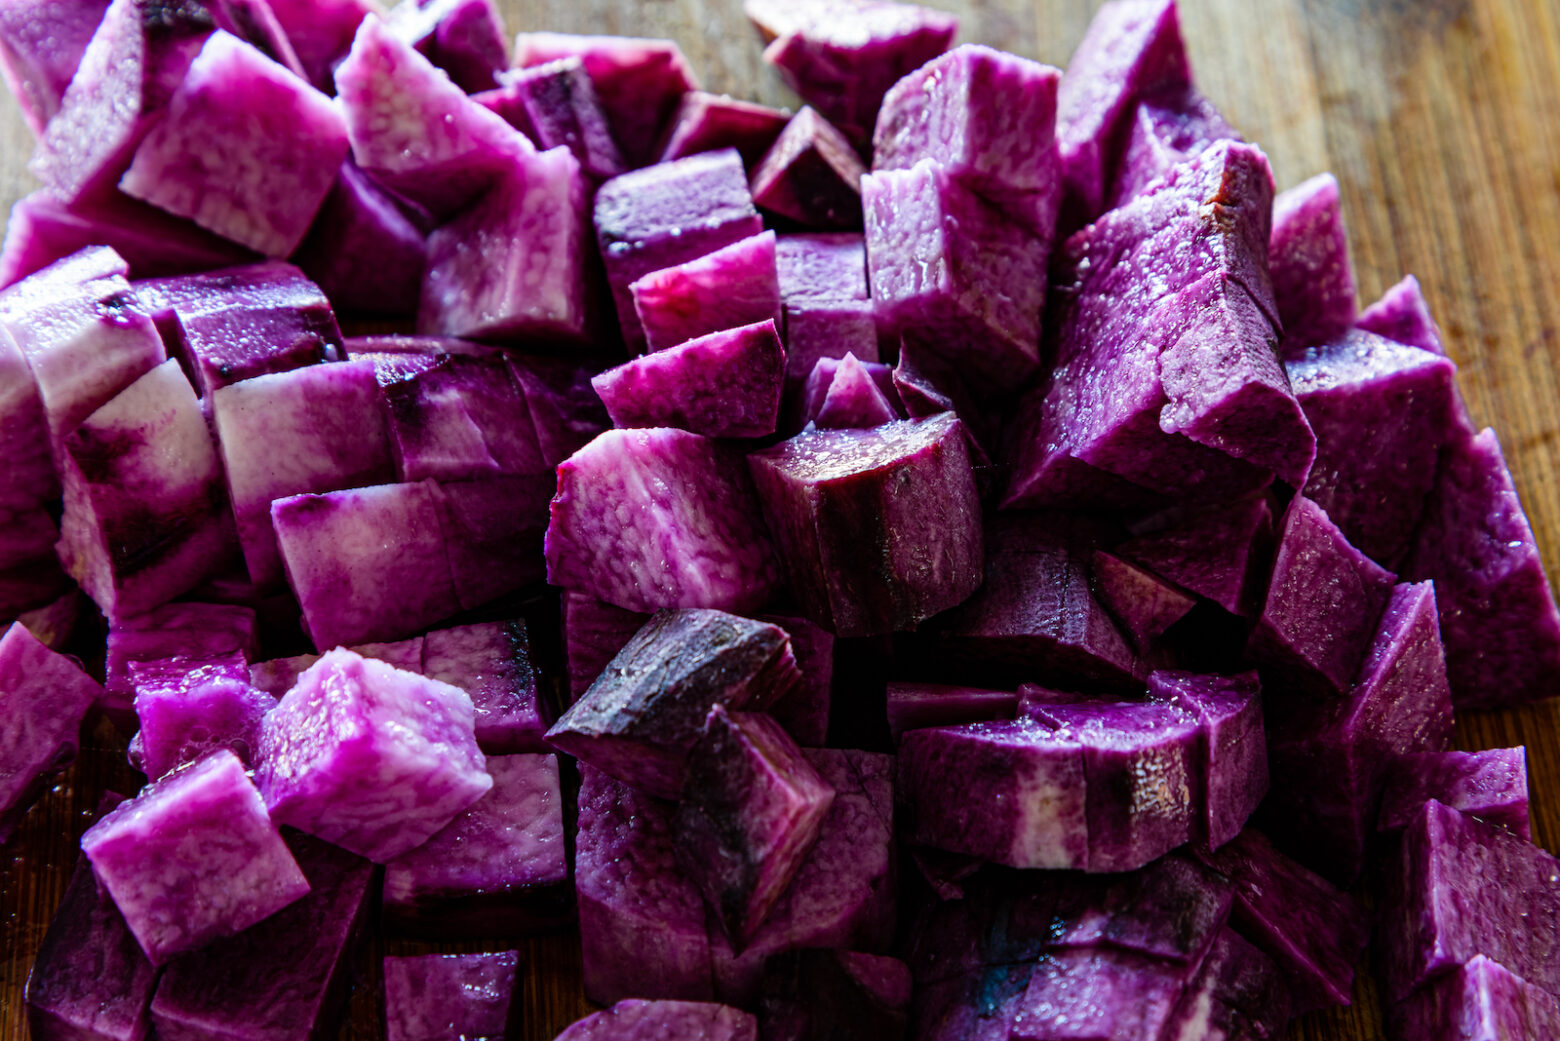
x=823, y=293
x=1097, y=993
x=365, y=249
x=641, y=718
x=916, y=706
x=593, y=633
x=465, y=38
x=1481, y=999
x=811, y=175
x=734, y=286
x=1238, y=992
x=819, y=995
x=1221, y=554
x=1232, y=755
x=805, y=711
x=461, y=418
x=1403, y=314
x=1491, y=785
x=1313, y=281
x=190, y=706
x=40, y=47
x=491, y=661
x=285, y=979
x=430, y=997
x=555, y=104
x=636, y=1020
x=1172, y=910
x=707, y=122
x=1143, y=604
x=1168, y=128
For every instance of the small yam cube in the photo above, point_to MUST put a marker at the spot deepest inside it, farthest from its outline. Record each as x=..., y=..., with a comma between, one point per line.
x=1170, y=127
x=433, y=997
x=1481, y=999
x=637, y=1020
x=593, y=633
x=492, y=662
x=1491, y=785
x=1232, y=757
x=706, y=122
x=734, y=286
x=850, y=396
x=465, y=38
x=463, y=417
x=555, y=104
x=188, y=707
x=811, y=175
x=1313, y=280
x=1403, y=315
x=823, y=297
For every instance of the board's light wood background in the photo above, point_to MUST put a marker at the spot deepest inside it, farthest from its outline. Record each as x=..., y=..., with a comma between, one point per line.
x=1441, y=119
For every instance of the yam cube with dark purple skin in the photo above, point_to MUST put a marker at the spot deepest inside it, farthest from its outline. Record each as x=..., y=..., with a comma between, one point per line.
x=1482, y=1000
x=843, y=57
x=849, y=395
x=1093, y=993
x=593, y=633
x=654, y=518
x=188, y=629
x=724, y=384
x=915, y=706
x=40, y=47
x=146, y=515
x=636, y=1020
x=1143, y=604
x=1169, y=128
x=1498, y=617
x=498, y=869
x=45, y=697
x=556, y=104
x=1313, y=280
x=563, y=405
x=735, y=285
x=415, y=132
x=707, y=122
x=666, y=215
x=1220, y=554
x=641, y=919
x=1323, y=602
x=953, y=274
x=1403, y=315
x=285, y=979
x=465, y=38
x=805, y=711
x=188, y=708
x=247, y=150
x=823, y=297
x=1315, y=933
x=1132, y=48
x=277, y=676
x=371, y=758
x=463, y=417
x=904, y=489
x=1231, y=757
x=491, y=662
x=1238, y=992
x=429, y=997
x=1172, y=910
x=1491, y=785
x=315, y=429
x=193, y=858
x=644, y=714
x=751, y=810
x=816, y=995
x=493, y=533
x=364, y=249
x=811, y=175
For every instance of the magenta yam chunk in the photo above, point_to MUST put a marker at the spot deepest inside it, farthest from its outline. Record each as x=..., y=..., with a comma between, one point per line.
x=1481, y=999
x=191, y=706
x=733, y=286
x=493, y=664
x=1403, y=315
x=1313, y=281
x=706, y=122
x=1491, y=785
x=1219, y=554
x=1232, y=752
x=554, y=104
x=431, y=997
x=1169, y=128
x=811, y=175
x=1144, y=605
x=465, y=38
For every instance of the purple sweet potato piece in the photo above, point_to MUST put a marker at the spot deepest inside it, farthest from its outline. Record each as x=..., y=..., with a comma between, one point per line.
x=315, y=429
x=1238, y=993
x=824, y=298
x=1169, y=127
x=1322, y=605
x=1096, y=994
x=41, y=45
x=491, y=662
x=285, y=979
x=593, y=633
x=191, y=707
x=188, y=629
x=247, y=150
x=805, y=711
x=1491, y=785
x=45, y=697
x=636, y=1020
x=817, y=995
x=1403, y=315
x=365, y=252
x=643, y=715
x=646, y=519
x=1231, y=758
x=915, y=706
x=563, y=405
x=666, y=215
x=641, y=919
x=430, y=997
x=1313, y=280
x=1498, y=617
x=277, y=676
x=28, y=480
x=854, y=396
x=193, y=858
x=254, y=22
x=465, y=38
x=1479, y=1001
x=811, y=175
x=1220, y=554
x=906, y=490
x=706, y=122
x=1171, y=910
x=1143, y=604
x=461, y=417
x=321, y=32
x=724, y=384
x=556, y=104
x=493, y=531
x=499, y=868
x=735, y=285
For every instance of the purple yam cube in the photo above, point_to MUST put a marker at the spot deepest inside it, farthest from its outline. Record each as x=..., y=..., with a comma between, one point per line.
x=364, y=250
x=640, y=82
x=953, y=274
x=513, y=266
x=190, y=630
x=811, y=175
x=277, y=676
x=654, y=518
x=556, y=104
x=804, y=712
x=666, y=215
x=285, y=979
x=593, y=633
x=1170, y=127
x=1403, y=315
x=1498, y=617
x=28, y=480
x=906, y=490
x=314, y=429
x=641, y=919
x=636, y=1020
x=1322, y=605
x=1238, y=992
x=40, y=47
x=499, y=868
x=1313, y=280
x=146, y=514
x=465, y=38
x=1143, y=604
x=735, y=285
x=45, y=696
x=915, y=706
x=1482, y=1000
x=824, y=298
x=564, y=407
x=814, y=995
x=647, y=710
x=190, y=707
x=1491, y=785
x=1220, y=554
x=461, y=417
x=430, y=997
x=752, y=808
x=707, y=122
x=255, y=23
x=493, y=532
x=1172, y=910
x=491, y=662
x=1231, y=759
x=247, y=149
x=724, y=384
x=1091, y=994
x=850, y=396
x=368, y=757
x=193, y=858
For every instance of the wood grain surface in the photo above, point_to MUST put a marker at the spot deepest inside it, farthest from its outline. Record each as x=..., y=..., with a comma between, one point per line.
x=1439, y=118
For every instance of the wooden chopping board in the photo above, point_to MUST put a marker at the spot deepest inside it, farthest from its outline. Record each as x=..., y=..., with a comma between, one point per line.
x=1440, y=120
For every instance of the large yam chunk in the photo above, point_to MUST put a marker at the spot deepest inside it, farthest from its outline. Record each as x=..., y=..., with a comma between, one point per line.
x=1403, y=315
x=1232, y=757
x=429, y=995
x=1481, y=1000
x=1169, y=128
x=811, y=175
x=365, y=249
x=635, y=1020
x=906, y=490
x=1220, y=554
x=556, y=104
x=706, y=122
x=734, y=286
x=824, y=299
x=491, y=662
x=40, y=47
x=190, y=707
x=654, y=518
x=915, y=706
x=463, y=417
x=1313, y=281
x=1490, y=785
x=493, y=532
x=465, y=38
x=1238, y=992
x=815, y=995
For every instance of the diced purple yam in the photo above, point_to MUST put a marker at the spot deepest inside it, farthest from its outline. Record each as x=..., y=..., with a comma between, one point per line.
x=493, y=533
x=643, y=715
x=1095, y=994
x=646, y=519
x=1313, y=280
x=365, y=252
x=41, y=45
x=499, y=868
x=1498, y=617
x=1232, y=756
x=1169, y=128
x=1132, y=48
x=1143, y=604
x=462, y=417
x=491, y=662
x=811, y=175
x=1219, y=554
x=371, y=758
x=193, y=858
x=191, y=707
x=980, y=1007
x=255, y=23
x=556, y=104
x=277, y=676
x=285, y=979
x=28, y=480
x=1238, y=993
x=321, y=32
x=431, y=997
x=815, y=995
x=641, y=919
x=735, y=285
x=1403, y=315
x=905, y=492
x=666, y=215
x=804, y=712
x=915, y=706
x=1322, y=605
x=1479, y=1001
x=45, y=696
x=1172, y=910
x=853, y=397
x=593, y=633
x=707, y=122
x=824, y=298
x=465, y=38
x=321, y=428
x=636, y=1020
x=190, y=630
x=724, y=384
x=1491, y=785
x=563, y=405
